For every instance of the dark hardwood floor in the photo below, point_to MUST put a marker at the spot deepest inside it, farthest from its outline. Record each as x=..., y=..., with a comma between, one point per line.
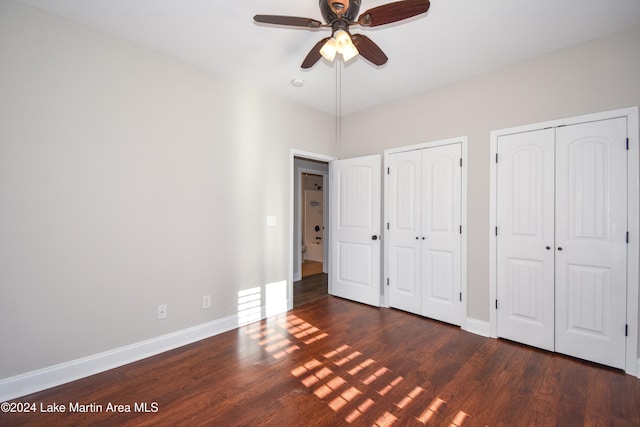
x=310, y=288
x=333, y=362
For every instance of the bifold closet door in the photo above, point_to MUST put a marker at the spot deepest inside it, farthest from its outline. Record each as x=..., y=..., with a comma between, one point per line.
x=561, y=245
x=591, y=249
x=525, y=249
x=441, y=237
x=424, y=241
x=404, y=199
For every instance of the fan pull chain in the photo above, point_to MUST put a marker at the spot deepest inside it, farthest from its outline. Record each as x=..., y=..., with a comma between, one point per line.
x=338, y=103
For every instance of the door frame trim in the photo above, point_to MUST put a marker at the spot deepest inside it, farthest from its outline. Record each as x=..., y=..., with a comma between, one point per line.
x=462, y=140
x=633, y=215
x=293, y=153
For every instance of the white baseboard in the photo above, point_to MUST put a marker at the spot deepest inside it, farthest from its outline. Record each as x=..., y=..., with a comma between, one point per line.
x=638, y=371
x=42, y=379
x=478, y=327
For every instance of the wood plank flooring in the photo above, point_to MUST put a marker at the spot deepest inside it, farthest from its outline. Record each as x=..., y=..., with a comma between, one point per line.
x=333, y=362
x=310, y=288
x=310, y=268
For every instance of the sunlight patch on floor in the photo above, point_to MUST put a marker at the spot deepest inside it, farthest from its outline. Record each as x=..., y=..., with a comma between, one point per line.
x=431, y=410
x=325, y=376
x=459, y=419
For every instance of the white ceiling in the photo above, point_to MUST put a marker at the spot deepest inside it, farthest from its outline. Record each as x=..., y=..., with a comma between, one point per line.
x=456, y=39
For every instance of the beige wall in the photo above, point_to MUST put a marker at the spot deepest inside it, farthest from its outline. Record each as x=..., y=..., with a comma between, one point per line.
x=600, y=75
x=129, y=179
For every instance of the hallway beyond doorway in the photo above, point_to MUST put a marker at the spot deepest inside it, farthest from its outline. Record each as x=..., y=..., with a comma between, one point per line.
x=310, y=268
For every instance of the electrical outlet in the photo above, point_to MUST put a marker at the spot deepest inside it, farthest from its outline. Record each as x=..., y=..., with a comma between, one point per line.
x=162, y=311
x=206, y=301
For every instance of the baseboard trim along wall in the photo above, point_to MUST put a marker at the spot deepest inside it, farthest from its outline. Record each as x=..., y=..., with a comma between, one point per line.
x=478, y=327
x=638, y=371
x=42, y=379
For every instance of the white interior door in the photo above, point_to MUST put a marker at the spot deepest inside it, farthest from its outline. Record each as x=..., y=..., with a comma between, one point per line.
x=355, y=221
x=404, y=199
x=441, y=238
x=591, y=250
x=525, y=238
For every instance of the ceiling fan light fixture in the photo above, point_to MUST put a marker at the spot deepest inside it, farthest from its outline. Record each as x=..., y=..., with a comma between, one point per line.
x=340, y=43
x=340, y=15
x=349, y=52
x=329, y=50
x=342, y=39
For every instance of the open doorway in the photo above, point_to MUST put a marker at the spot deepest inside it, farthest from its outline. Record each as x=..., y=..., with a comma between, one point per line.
x=310, y=229
x=312, y=217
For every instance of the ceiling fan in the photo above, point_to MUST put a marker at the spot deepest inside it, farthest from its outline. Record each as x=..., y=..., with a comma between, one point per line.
x=339, y=15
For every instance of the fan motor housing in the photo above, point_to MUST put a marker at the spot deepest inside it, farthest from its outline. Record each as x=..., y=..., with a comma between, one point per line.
x=339, y=10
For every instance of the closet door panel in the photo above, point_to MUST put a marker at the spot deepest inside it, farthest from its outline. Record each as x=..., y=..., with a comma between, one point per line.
x=404, y=232
x=441, y=219
x=591, y=225
x=525, y=256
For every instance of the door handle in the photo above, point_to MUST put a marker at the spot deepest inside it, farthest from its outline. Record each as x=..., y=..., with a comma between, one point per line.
x=559, y=248
x=374, y=237
x=548, y=248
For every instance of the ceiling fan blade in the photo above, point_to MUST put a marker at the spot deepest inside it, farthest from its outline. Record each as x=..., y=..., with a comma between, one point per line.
x=369, y=50
x=314, y=54
x=291, y=21
x=393, y=12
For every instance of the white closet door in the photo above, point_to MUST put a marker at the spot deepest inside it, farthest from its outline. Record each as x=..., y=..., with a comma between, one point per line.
x=525, y=256
x=591, y=250
x=355, y=188
x=441, y=219
x=404, y=183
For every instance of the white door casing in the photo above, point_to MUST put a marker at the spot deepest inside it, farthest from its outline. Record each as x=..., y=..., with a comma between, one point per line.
x=355, y=221
x=525, y=218
x=591, y=249
x=441, y=233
